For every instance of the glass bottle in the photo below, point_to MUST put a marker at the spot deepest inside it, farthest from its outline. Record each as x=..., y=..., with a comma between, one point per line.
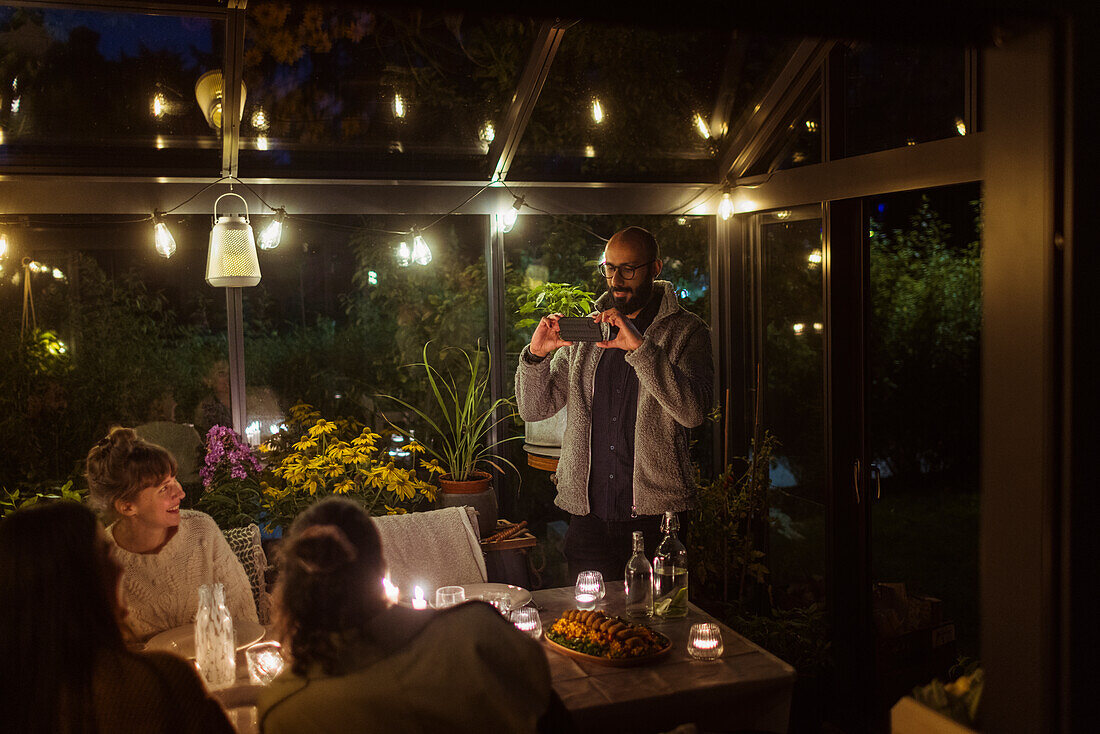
x=670, y=573
x=638, y=582
x=215, y=649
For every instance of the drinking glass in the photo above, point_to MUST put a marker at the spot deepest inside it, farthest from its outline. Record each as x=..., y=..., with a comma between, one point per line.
x=449, y=596
x=589, y=589
x=527, y=620
x=265, y=661
x=705, y=641
x=501, y=602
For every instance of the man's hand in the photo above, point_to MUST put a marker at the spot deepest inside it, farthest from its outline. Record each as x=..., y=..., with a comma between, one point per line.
x=628, y=337
x=547, y=336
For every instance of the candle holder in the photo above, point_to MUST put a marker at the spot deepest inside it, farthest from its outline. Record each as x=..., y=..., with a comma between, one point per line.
x=449, y=596
x=265, y=661
x=418, y=600
x=705, y=641
x=589, y=589
x=527, y=621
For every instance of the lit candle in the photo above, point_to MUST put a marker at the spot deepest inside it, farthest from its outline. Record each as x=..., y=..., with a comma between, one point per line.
x=392, y=592
x=589, y=588
x=418, y=600
x=705, y=641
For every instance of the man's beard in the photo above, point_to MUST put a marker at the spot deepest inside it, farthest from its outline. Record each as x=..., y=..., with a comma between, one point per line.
x=635, y=300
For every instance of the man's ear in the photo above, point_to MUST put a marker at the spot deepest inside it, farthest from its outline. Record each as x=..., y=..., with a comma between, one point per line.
x=658, y=264
x=125, y=508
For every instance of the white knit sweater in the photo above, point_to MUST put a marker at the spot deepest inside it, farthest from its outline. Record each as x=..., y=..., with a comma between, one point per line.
x=161, y=590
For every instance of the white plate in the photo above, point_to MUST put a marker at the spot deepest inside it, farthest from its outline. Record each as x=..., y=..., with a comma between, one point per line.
x=516, y=596
x=181, y=640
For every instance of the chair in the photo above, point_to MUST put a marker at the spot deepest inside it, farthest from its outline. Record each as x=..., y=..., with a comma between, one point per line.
x=431, y=549
x=245, y=543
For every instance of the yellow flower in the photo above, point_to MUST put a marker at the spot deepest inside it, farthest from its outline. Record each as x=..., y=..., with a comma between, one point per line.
x=322, y=427
x=335, y=470
x=404, y=490
x=414, y=447
x=305, y=443
x=344, y=487
x=433, y=466
x=311, y=485
x=395, y=510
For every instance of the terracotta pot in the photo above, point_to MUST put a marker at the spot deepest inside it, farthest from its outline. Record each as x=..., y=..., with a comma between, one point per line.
x=479, y=482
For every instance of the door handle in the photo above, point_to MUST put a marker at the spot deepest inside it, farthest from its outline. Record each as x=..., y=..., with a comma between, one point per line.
x=855, y=479
x=876, y=475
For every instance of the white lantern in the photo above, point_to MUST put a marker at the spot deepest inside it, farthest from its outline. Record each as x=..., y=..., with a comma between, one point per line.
x=231, y=260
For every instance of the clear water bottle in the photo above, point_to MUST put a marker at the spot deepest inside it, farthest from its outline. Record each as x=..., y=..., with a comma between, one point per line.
x=670, y=573
x=215, y=649
x=639, y=582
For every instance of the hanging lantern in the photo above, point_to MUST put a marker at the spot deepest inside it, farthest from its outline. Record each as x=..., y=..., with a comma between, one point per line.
x=231, y=260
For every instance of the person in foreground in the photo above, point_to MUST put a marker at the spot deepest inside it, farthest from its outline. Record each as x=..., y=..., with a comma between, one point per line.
x=65, y=665
x=166, y=553
x=359, y=664
x=631, y=400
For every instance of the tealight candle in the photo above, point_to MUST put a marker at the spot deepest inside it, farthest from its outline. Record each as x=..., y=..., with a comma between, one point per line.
x=527, y=620
x=265, y=661
x=589, y=589
x=705, y=641
x=392, y=592
x=418, y=600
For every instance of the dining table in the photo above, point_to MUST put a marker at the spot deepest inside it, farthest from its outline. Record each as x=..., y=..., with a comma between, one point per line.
x=746, y=689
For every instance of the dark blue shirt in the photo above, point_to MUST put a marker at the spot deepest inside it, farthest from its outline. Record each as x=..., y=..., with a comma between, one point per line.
x=614, y=410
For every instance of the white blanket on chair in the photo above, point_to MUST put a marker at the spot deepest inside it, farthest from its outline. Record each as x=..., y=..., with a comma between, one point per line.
x=431, y=549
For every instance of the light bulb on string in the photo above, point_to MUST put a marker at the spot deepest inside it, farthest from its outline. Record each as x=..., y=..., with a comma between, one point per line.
x=398, y=106
x=725, y=207
x=508, y=219
x=597, y=111
x=421, y=253
x=702, y=127
x=162, y=238
x=272, y=234
x=3, y=244
x=403, y=256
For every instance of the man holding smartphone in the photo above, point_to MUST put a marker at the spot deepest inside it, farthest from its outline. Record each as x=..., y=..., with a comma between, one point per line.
x=631, y=399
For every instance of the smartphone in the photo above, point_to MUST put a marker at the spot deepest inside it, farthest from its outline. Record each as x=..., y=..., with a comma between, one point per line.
x=584, y=329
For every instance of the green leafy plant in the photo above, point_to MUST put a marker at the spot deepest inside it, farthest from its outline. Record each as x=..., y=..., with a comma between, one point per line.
x=548, y=298
x=730, y=512
x=463, y=416
x=961, y=698
x=316, y=458
x=10, y=501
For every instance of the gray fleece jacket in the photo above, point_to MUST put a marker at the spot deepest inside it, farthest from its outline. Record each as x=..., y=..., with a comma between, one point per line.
x=675, y=388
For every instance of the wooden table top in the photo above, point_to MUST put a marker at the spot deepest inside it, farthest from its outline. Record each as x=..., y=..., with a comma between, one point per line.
x=747, y=688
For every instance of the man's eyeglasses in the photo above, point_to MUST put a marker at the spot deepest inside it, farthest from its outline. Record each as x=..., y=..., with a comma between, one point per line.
x=627, y=272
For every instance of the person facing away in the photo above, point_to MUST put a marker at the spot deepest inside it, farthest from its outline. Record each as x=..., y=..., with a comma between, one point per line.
x=631, y=401
x=65, y=666
x=213, y=410
x=166, y=553
x=359, y=664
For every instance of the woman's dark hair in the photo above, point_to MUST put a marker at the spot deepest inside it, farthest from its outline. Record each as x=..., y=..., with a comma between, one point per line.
x=121, y=465
x=330, y=583
x=58, y=613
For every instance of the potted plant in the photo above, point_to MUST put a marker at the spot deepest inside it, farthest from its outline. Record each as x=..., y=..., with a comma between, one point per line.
x=542, y=300
x=461, y=419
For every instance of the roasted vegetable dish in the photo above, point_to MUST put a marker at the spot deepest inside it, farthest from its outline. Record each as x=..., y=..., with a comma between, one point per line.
x=594, y=633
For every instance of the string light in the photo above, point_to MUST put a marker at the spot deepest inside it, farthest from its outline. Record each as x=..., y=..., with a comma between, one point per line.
x=798, y=328
x=259, y=119
x=702, y=127
x=163, y=240
x=261, y=142
x=421, y=253
x=725, y=207
x=398, y=106
x=960, y=126
x=597, y=111
x=589, y=151
x=160, y=105
x=814, y=257
x=488, y=133
x=272, y=234
x=403, y=255
x=508, y=218
x=3, y=244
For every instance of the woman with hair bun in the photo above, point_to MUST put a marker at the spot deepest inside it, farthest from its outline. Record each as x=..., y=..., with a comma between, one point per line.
x=63, y=661
x=359, y=664
x=165, y=553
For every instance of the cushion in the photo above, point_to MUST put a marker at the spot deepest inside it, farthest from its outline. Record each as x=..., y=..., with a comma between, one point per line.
x=245, y=543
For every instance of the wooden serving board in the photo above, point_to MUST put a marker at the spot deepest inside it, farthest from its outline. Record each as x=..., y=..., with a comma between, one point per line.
x=613, y=662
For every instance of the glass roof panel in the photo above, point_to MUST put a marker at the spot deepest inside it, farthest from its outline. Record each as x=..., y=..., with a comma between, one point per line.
x=798, y=143
x=639, y=103
x=82, y=89
x=335, y=91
